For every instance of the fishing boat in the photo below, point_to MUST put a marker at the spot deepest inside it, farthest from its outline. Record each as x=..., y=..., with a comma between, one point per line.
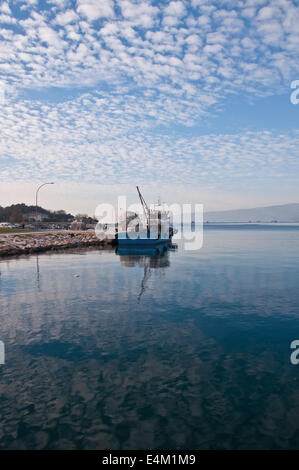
x=155, y=228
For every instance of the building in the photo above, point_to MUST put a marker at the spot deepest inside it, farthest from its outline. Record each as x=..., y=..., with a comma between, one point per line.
x=35, y=217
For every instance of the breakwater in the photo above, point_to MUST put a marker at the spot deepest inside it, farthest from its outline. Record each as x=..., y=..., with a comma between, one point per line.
x=14, y=244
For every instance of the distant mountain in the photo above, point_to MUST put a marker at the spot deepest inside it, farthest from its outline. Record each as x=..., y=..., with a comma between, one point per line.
x=284, y=213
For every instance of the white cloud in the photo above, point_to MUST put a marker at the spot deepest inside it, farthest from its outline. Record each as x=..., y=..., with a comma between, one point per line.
x=64, y=18
x=95, y=138
x=94, y=9
x=137, y=42
x=175, y=9
x=4, y=8
x=7, y=19
x=266, y=13
x=50, y=36
x=140, y=13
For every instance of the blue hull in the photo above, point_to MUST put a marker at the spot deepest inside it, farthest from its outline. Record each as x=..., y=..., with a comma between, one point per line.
x=143, y=238
x=143, y=250
x=142, y=241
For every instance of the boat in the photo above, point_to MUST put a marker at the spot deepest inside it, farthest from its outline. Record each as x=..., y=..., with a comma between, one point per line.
x=141, y=251
x=155, y=229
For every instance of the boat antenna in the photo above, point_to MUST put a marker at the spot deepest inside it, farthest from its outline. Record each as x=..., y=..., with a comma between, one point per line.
x=144, y=206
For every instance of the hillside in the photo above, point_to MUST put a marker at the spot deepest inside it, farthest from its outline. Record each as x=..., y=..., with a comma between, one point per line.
x=16, y=213
x=283, y=213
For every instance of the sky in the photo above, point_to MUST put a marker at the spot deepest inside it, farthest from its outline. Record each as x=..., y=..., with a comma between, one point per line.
x=189, y=99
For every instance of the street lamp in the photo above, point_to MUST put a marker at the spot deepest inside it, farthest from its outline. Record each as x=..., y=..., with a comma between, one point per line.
x=44, y=184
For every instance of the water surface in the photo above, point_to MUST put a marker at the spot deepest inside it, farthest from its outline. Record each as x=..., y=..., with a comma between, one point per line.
x=172, y=350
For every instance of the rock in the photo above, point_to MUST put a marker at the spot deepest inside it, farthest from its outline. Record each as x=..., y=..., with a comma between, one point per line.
x=40, y=242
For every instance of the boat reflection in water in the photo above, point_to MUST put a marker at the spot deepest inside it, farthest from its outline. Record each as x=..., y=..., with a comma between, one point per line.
x=150, y=257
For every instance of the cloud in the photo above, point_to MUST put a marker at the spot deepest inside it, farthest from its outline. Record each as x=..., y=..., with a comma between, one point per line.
x=140, y=13
x=112, y=139
x=150, y=44
x=4, y=8
x=175, y=9
x=266, y=13
x=64, y=18
x=137, y=77
x=94, y=9
x=49, y=36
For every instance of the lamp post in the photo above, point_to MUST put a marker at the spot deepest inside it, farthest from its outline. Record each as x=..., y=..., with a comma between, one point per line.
x=36, y=194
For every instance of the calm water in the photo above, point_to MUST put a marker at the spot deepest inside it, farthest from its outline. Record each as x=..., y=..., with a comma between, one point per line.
x=181, y=350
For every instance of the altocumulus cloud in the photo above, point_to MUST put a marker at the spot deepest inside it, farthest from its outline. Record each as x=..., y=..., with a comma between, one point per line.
x=94, y=139
x=132, y=72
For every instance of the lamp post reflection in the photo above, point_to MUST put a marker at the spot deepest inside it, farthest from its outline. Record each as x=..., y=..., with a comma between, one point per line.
x=37, y=273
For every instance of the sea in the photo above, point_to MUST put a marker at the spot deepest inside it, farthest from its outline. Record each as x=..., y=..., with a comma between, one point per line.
x=160, y=348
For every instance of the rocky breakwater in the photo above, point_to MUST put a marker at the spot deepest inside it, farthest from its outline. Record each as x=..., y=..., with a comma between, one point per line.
x=16, y=244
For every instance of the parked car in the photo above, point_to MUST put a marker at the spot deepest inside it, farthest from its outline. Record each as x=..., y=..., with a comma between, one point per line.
x=6, y=225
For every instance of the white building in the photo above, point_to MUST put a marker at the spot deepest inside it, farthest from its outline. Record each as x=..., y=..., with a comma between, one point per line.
x=36, y=217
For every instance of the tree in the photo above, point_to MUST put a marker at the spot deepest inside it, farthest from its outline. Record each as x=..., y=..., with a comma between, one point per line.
x=81, y=217
x=16, y=216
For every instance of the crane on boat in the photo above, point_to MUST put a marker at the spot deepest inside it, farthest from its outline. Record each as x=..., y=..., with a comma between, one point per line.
x=144, y=207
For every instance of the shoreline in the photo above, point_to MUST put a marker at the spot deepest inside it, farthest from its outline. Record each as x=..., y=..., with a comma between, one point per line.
x=15, y=244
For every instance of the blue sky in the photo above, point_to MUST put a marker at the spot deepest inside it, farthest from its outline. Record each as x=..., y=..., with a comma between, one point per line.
x=190, y=99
